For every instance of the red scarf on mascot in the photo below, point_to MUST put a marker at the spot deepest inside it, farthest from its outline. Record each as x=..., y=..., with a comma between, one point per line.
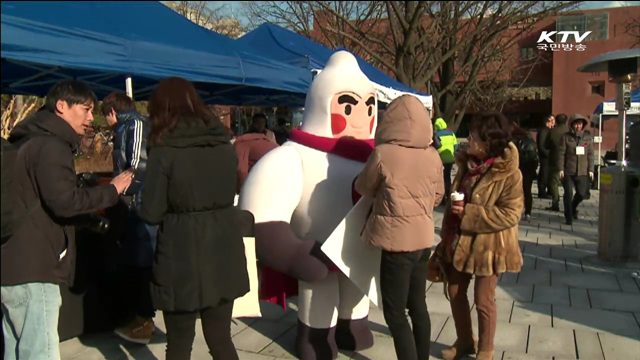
x=276, y=287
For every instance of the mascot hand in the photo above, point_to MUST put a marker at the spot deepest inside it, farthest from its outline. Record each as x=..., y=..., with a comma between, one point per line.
x=280, y=249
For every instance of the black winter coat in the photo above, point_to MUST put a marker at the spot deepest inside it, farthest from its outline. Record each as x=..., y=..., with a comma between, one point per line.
x=189, y=190
x=42, y=248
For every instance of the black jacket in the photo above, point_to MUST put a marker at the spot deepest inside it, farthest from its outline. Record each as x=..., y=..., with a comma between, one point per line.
x=553, y=144
x=189, y=191
x=130, y=148
x=46, y=198
x=541, y=140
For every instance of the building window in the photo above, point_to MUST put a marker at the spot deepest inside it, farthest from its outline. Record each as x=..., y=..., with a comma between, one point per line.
x=527, y=53
x=597, y=88
x=597, y=23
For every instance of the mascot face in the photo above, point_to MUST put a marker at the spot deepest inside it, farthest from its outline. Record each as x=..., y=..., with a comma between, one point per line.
x=341, y=101
x=353, y=115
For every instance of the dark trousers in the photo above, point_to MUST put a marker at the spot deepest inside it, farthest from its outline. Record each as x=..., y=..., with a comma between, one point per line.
x=571, y=201
x=403, y=282
x=216, y=326
x=447, y=180
x=528, y=176
x=554, y=183
x=138, y=283
x=543, y=178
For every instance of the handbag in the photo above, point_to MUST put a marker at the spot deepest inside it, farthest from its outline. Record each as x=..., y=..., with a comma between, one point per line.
x=436, y=271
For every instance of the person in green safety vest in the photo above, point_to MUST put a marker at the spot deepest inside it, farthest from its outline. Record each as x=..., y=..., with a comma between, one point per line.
x=447, y=152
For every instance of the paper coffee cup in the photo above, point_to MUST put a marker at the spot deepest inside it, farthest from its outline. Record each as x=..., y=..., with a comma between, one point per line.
x=457, y=198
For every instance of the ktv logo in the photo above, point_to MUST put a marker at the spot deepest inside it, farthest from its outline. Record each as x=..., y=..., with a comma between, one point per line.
x=545, y=40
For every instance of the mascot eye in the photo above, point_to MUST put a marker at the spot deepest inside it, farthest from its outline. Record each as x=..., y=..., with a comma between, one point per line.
x=370, y=110
x=347, y=109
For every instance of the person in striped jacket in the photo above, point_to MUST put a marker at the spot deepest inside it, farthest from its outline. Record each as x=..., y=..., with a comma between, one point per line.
x=137, y=240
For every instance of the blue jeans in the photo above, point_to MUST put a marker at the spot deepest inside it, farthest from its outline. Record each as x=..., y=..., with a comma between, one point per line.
x=30, y=321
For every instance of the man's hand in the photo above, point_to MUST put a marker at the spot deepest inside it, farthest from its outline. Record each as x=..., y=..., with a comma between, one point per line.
x=561, y=175
x=591, y=175
x=122, y=181
x=458, y=210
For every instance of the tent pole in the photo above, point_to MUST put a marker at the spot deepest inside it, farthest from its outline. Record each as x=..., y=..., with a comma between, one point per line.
x=129, y=87
x=599, y=148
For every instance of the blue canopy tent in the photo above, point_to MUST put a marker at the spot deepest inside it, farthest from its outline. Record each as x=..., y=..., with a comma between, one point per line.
x=284, y=45
x=105, y=43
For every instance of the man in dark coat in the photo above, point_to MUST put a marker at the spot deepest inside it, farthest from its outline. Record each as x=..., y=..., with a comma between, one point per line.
x=543, y=154
x=40, y=255
x=131, y=130
x=553, y=144
x=576, y=163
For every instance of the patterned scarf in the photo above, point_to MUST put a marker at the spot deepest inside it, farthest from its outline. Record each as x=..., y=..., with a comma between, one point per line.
x=451, y=225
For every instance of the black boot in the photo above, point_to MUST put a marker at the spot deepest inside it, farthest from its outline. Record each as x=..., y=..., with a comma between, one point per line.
x=354, y=335
x=316, y=344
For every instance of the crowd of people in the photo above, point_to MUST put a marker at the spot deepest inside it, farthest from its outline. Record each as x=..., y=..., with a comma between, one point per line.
x=176, y=217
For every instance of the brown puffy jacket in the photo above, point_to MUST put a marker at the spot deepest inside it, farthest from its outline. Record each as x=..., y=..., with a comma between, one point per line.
x=488, y=241
x=404, y=173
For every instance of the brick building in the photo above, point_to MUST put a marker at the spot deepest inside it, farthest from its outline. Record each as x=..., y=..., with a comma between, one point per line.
x=548, y=80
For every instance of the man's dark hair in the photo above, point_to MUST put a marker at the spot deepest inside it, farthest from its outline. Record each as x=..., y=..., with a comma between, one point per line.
x=282, y=121
x=545, y=119
x=561, y=119
x=117, y=101
x=72, y=92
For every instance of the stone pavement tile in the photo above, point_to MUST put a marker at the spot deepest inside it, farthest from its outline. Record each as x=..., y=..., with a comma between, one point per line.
x=579, y=298
x=504, y=308
x=568, y=253
x=259, y=335
x=534, y=277
x=511, y=337
x=548, y=341
x=552, y=241
x=90, y=347
x=514, y=356
x=628, y=284
x=509, y=278
x=438, y=322
x=437, y=303
x=383, y=349
x=609, y=300
x=531, y=314
x=585, y=280
x=619, y=323
x=243, y=355
x=569, y=244
x=588, y=345
x=238, y=325
x=272, y=312
x=542, y=233
x=283, y=346
x=556, y=295
x=591, y=246
x=574, y=265
x=619, y=347
x=538, y=250
x=518, y=292
x=529, y=261
x=551, y=264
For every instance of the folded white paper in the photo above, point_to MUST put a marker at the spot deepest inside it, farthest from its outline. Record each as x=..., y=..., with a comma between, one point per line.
x=359, y=261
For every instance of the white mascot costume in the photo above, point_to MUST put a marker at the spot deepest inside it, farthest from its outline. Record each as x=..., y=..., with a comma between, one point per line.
x=298, y=194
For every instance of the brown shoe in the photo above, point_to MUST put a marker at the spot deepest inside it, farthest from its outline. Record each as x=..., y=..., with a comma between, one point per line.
x=485, y=355
x=459, y=350
x=139, y=330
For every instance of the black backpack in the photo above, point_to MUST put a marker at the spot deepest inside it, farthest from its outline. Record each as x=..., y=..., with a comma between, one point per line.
x=528, y=152
x=9, y=154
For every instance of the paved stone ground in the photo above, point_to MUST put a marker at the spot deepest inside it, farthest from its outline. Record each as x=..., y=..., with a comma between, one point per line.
x=559, y=307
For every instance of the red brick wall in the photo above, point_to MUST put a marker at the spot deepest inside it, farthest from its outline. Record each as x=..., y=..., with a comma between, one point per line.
x=572, y=89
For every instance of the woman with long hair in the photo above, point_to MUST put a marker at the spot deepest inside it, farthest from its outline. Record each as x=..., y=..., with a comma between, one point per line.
x=480, y=234
x=199, y=266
